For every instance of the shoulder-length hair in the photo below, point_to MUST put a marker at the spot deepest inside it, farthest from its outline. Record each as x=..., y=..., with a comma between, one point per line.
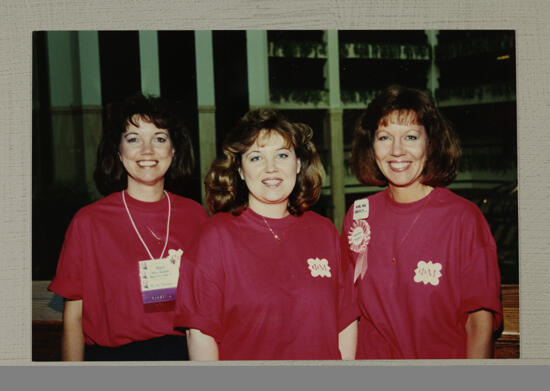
x=415, y=106
x=227, y=192
x=110, y=175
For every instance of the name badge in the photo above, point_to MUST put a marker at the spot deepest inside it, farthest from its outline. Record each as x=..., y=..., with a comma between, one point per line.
x=361, y=209
x=159, y=277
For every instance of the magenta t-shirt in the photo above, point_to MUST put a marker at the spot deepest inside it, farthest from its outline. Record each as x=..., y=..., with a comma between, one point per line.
x=446, y=267
x=99, y=264
x=267, y=300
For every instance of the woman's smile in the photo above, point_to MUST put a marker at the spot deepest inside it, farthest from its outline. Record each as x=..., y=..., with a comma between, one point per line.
x=147, y=163
x=398, y=166
x=272, y=182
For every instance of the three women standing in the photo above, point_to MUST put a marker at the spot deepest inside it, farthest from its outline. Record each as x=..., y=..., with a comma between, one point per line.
x=119, y=265
x=266, y=279
x=425, y=260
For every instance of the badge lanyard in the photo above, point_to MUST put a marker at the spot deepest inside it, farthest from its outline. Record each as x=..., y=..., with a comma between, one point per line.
x=137, y=232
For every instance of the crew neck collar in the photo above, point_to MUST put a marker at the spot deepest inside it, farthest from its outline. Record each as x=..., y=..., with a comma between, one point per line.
x=258, y=219
x=145, y=205
x=408, y=206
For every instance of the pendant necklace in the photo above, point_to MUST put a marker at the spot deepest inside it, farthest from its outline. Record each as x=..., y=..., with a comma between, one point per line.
x=396, y=251
x=137, y=232
x=272, y=232
x=154, y=235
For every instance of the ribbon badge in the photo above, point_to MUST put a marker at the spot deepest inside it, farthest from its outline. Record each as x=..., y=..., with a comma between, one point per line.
x=358, y=239
x=359, y=236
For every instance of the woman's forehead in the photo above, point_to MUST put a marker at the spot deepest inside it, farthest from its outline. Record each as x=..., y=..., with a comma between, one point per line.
x=137, y=119
x=401, y=117
x=140, y=122
x=271, y=137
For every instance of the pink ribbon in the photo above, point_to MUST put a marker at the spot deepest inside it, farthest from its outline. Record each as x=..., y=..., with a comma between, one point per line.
x=359, y=238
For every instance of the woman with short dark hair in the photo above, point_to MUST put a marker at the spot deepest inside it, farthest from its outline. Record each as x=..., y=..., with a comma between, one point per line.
x=266, y=281
x=425, y=260
x=110, y=174
x=119, y=265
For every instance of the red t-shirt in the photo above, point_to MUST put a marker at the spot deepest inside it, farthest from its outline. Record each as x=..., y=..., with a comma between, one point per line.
x=261, y=299
x=446, y=267
x=99, y=264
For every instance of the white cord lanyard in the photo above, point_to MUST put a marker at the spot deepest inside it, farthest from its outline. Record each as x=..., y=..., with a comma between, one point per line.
x=137, y=232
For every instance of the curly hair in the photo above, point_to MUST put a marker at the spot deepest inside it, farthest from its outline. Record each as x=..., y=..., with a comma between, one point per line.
x=110, y=175
x=412, y=106
x=227, y=192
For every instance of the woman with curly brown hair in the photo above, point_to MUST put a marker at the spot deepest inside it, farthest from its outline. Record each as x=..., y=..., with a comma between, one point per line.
x=266, y=281
x=425, y=260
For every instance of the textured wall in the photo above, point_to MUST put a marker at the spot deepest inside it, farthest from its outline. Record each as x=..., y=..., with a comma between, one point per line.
x=19, y=18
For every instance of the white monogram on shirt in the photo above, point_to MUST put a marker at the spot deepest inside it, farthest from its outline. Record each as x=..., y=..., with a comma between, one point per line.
x=319, y=267
x=427, y=272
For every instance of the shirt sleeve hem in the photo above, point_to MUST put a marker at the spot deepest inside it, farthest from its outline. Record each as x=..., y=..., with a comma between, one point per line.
x=347, y=317
x=67, y=288
x=204, y=325
x=493, y=306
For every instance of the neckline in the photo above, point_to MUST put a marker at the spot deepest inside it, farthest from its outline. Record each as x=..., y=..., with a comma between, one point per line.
x=153, y=206
x=258, y=219
x=407, y=207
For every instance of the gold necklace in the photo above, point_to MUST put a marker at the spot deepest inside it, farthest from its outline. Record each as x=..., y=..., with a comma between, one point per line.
x=272, y=232
x=393, y=260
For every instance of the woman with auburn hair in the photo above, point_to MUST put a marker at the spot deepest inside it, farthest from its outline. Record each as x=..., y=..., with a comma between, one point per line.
x=266, y=281
x=119, y=265
x=425, y=261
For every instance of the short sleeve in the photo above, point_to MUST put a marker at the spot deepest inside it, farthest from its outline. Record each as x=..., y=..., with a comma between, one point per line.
x=348, y=260
x=199, y=303
x=68, y=277
x=480, y=282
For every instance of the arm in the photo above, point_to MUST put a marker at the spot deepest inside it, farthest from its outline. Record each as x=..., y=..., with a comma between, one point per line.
x=347, y=341
x=72, y=340
x=201, y=347
x=479, y=334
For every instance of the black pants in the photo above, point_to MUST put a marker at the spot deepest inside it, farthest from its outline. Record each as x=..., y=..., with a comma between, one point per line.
x=167, y=348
